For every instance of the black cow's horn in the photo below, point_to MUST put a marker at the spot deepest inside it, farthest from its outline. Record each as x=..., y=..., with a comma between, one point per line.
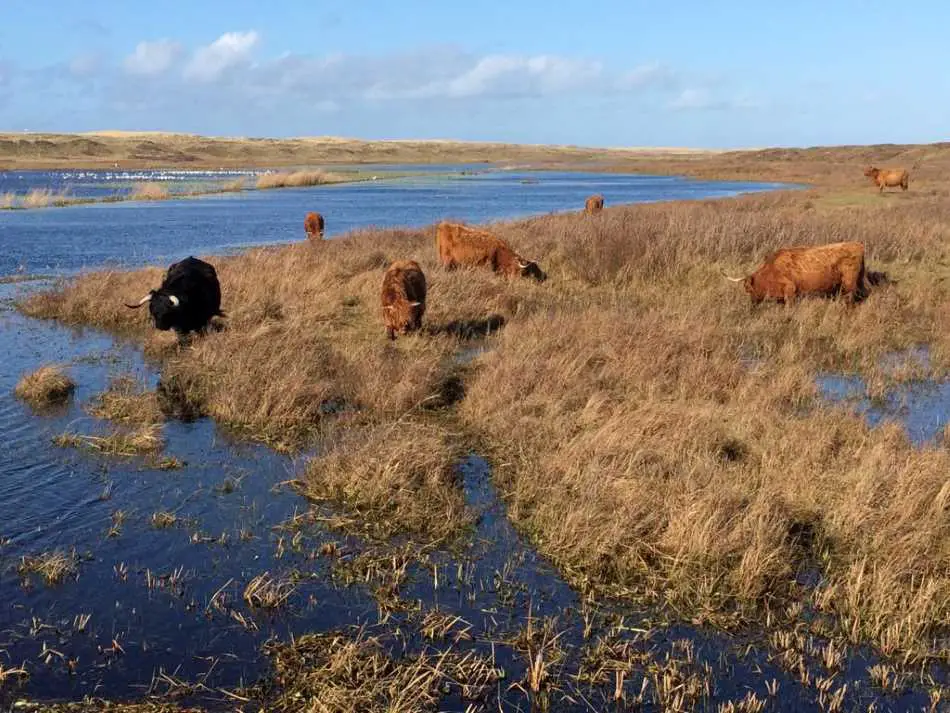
x=140, y=302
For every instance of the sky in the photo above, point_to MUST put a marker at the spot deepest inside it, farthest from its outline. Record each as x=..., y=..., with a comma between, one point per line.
x=688, y=73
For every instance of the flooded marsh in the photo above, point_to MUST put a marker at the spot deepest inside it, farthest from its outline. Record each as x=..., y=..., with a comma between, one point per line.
x=572, y=496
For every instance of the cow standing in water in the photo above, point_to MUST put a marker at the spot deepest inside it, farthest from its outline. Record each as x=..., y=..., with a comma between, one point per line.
x=829, y=270
x=403, y=297
x=459, y=245
x=314, y=224
x=888, y=178
x=594, y=205
x=189, y=296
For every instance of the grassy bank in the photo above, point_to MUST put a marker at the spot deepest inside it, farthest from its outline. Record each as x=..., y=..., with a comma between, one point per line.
x=159, y=191
x=656, y=437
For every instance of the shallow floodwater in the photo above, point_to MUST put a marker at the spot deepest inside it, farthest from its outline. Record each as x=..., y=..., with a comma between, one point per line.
x=134, y=233
x=148, y=606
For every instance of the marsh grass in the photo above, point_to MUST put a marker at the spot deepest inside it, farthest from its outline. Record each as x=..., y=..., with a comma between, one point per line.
x=149, y=191
x=127, y=401
x=269, y=592
x=47, y=386
x=654, y=435
x=343, y=672
x=122, y=442
x=392, y=479
x=43, y=198
x=53, y=567
x=297, y=179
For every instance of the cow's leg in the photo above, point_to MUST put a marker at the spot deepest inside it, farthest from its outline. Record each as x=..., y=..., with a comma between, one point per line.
x=391, y=333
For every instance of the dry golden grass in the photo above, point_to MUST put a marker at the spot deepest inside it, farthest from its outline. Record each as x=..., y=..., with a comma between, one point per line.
x=655, y=435
x=127, y=401
x=149, y=191
x=47, y=386
x=297, y=179
x=142, y=440
x=268, y=592
x=339, y=673
x=392, y=478
x=53, y=566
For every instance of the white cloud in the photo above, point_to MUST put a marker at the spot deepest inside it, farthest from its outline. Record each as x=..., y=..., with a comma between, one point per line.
x=84, y=65
x=701, y=99
x=152, y=58
x=229, y=50
x=652, y=74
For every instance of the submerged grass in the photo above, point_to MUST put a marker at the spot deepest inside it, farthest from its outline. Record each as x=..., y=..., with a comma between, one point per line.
x=53, y=567
x=47, y=386
x=343, y=672
x=144, y=440
x=655, y=436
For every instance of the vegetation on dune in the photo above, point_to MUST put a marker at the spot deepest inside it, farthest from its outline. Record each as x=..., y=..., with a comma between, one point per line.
x=655, y=435
x=47, y=386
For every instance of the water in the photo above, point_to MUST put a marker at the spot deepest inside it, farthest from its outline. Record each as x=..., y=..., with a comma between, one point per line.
x=134, y=233
x=921, y=406
x=169, y=601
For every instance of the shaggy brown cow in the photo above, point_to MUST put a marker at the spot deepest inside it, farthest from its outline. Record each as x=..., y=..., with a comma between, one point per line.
x=403, y=297
x=313, y=224
x=459, y=244
x=888, y=178
x=594, y=205
x=822, y=270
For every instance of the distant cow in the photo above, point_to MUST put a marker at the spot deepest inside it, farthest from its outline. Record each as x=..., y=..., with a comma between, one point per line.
x=190, y=295
x=594, y=205
x=403, y=297
x=313, y=224
x=888, y=177
x=460, y=245
x=832, y=269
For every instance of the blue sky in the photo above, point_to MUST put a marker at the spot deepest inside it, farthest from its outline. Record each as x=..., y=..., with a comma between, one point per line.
x=610, y=73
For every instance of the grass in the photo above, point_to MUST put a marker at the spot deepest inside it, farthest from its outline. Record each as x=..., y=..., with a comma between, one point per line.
x=297, y=179
x=343, y=672
x=52, y=567
x=653, y=435
x=143, y=440
x=127, y=402
x=149, y=191
x=47, y=386
x=267, y=592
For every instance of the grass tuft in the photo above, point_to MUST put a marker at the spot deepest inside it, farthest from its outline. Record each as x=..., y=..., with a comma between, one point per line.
x=296, y=179
x=149, y=191
x=47, y=386
x=53, y=567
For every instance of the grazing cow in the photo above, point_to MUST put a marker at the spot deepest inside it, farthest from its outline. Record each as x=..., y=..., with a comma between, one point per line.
x=189, y=297
x=459, y=244
x=313, y=224
x=888, y=178
x=832, y=269
x=594, y=205
x=403, y=297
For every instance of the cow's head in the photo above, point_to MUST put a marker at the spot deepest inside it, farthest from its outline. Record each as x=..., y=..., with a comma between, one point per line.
x=748, y=283
x=163, y=307
x=870, y=171
x=530, y=269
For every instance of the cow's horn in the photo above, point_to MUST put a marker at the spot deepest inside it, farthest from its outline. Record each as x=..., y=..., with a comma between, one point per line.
x=523, y=265
x=731, y=279
x=414, y=304
x=140, y=302
x=174, y=300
